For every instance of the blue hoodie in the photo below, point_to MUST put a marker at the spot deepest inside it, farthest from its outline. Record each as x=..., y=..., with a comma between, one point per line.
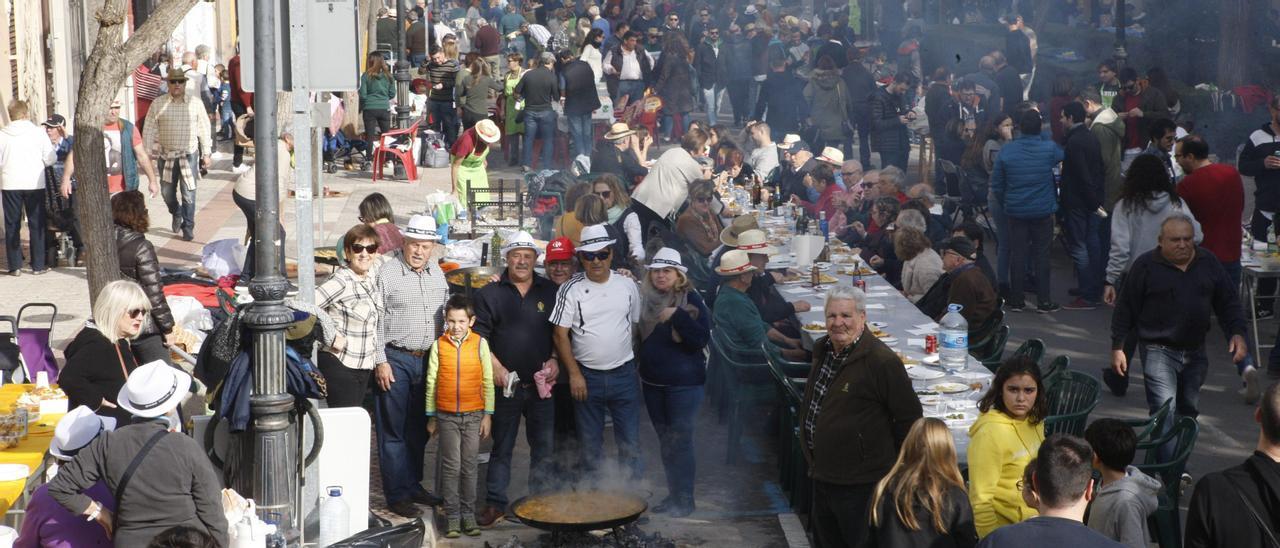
x=1022, y=177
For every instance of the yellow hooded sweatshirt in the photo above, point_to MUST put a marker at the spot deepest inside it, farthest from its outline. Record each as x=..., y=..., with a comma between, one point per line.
x=999, y=449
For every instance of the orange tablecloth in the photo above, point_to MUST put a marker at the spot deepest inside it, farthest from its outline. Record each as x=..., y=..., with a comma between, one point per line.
x=30, y=451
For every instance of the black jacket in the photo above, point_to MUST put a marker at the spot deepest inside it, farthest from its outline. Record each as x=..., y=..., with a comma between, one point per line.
x=888, y=134
x=580, y=96
x=1262, y=142
x=707, y=61
x=1010, y=88
x=95, y=372
x=1216, y=515
x=939, y=107
x=138, y=263
x=781, y=102
x=860, y=84
x=1083, y=173
x=1017, y=48
x=1169, y=307
x=735, y=60
x=623, y=163
x=891, y=533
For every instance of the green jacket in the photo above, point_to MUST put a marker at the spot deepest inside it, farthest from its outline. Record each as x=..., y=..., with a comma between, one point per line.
x=738, y=317
x=1109, y=129
x=376, y=92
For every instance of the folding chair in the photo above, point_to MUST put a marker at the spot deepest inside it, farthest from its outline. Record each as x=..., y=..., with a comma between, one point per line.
x=37, y=356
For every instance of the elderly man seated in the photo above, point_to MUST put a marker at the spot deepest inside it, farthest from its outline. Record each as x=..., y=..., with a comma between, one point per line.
x=964, y=284
x=737, y=315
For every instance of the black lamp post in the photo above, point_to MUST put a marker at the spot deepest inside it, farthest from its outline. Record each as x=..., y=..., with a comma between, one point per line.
x=1119, y=53
x=402, y=71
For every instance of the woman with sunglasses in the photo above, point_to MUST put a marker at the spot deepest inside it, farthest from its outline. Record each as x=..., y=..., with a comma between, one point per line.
x=138, y=263
x=101, y=356
x=622, y=220
x=698, y=226
x=351, y=296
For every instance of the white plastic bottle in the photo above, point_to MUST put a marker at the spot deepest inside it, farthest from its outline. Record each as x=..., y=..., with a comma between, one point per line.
x=335, y=517
x=953, y=339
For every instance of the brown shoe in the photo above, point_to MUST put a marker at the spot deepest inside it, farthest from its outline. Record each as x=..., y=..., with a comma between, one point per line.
x=405, y=508
x=490, y=516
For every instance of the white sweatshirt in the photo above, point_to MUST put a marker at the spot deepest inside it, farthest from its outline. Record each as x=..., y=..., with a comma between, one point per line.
x=25, y=150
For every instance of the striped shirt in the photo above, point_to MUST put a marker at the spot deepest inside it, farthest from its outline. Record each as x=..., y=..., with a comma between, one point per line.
x=177, y=127
x=412, y=305
x=445, y=74
x=352, y=302
x=600, y=319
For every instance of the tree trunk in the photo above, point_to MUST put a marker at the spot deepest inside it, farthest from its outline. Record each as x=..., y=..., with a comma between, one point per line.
x=110, y=62
x=1233, y=43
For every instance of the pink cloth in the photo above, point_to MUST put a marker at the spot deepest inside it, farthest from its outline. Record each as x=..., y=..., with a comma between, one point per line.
x=540, y=380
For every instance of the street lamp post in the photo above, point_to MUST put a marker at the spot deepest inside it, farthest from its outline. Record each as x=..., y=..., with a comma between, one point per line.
x=273, y=452
x=402, y=71
x=1120, y=54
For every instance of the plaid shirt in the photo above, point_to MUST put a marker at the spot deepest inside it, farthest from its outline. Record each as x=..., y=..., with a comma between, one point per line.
x=352, y=302
x=177, y=127
x=412, y=305
x=820, y=385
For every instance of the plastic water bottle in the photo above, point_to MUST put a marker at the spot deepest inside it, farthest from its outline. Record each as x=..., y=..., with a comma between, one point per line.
x=824, y=226
x=953, y=339
x=335, y=518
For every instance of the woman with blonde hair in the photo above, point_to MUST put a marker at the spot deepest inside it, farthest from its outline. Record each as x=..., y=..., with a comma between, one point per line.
x=921, y=502
x=101, y=356
x=567, y=224
x=921, y=265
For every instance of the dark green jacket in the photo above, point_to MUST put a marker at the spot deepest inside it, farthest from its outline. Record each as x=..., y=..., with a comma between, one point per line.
x=376, y=92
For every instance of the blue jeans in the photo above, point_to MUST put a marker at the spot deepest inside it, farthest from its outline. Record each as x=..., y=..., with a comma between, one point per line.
x=15, y=201
x=711, y=97
x=632, y=89
x=1002, y=235
x=669, y=120
x=539, y=124
x=1088, y=251
x=616, y=392
x=400, y=419
x=1173, y=373
x=444, y=116
x=1029, y=249
x=580, y=134
x=539, y=416
x=417, y=59
x=187, y=209
x=672, y=410
x=1234, y=273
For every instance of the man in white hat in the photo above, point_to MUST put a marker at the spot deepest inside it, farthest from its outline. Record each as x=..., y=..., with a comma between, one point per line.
x=622, y=155
x=738, y=316
x=160, y=477
x=512, y=315
x=413, y=291
x=45, y=522
x=595, y=316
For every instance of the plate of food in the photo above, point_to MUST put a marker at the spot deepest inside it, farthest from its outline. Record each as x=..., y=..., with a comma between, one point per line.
x=878, y=325
x=950, y=387
x=815, y=328
x=889, y=340
x=932, y=401
x=931, y=359
x=925, y=374
x=958, y=418
x=925, y=393
x=822, y=266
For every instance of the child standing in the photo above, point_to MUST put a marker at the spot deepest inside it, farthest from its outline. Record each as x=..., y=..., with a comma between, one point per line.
x=459, y=406
x=1127, y=496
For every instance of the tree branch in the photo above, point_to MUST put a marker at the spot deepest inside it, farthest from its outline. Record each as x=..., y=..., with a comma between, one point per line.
x=155, y=31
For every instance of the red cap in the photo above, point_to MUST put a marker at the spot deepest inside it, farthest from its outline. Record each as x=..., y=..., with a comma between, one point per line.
x=559, y=249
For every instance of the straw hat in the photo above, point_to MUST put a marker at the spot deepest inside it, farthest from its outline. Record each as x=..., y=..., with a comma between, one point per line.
x=754, y=241
x=788, y=141
x=734, y=263
x=421, y=227
x=76, y=430
x=519, y=240
x=667, y=258
x=740, y=224
x=619, y=130
x=244, y=130
x=177, y=75
x=153, y=389
x=595, y=238
x=832, y=155
x=488, y=131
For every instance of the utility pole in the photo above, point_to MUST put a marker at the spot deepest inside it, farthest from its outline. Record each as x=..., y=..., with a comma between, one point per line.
x=273, y=455
x=302, y=148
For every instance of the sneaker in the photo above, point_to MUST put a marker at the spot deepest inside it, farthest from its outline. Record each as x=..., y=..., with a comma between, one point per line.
x=187, y=236
x=1045, y=308
x=1252, y=385
x=39, y=272
x=1008, y=307
x=490, y=515
x=405, y=508
x=240, y=168
x=470, y=527
x=15, y=273
x=1117, y=384
x=1074, y=292
x=1079, y=303
x=454, y=528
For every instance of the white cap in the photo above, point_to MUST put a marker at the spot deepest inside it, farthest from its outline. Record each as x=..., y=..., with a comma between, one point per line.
x=519, y=240
x=153, y=389
x=595, y=238
x=76, y=430
x=667, y=258
x=420, y=227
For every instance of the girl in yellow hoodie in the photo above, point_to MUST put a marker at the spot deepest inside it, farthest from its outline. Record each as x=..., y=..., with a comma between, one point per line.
x=1001, y=443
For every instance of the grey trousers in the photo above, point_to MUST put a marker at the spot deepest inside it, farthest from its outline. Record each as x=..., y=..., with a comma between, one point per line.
x=459, y=436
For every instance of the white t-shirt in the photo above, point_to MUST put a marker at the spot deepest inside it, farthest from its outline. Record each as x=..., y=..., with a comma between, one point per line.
x=600, y=318
x=764, y=159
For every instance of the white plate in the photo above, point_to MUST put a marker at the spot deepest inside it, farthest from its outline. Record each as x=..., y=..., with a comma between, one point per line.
x=12, y=472
x=878, y=325
x=822, y=266
x=889, y=340
x=931, y=359
x=925, y=374
x=949, y=388
x=958, y=418
x=932, y=401
x=814, y=331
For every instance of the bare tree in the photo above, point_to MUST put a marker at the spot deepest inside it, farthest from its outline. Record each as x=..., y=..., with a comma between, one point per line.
x=110, y=62
x=1233, y=43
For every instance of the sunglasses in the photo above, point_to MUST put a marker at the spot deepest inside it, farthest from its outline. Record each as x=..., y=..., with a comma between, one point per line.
x=357, y=249
x=848, y=173
x=602, y=255
x=136, y=313
x=604, y=193
x=703, y=199
x=868, y=184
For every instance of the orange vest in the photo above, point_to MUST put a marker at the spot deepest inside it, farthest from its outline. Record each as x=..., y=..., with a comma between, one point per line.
x=460, y=378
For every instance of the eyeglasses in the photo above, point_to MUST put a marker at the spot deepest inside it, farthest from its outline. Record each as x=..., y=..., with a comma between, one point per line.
x=357, y=249
x=868, y=184
x=703, y=199
x=602, y=255
x=604, y=193
x=136, y=313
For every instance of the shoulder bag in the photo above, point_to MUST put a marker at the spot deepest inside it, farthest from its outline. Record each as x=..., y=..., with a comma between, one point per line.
x=128, y=474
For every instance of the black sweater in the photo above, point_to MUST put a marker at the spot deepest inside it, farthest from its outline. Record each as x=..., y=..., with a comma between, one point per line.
x=1262, y=142
x=94, y=372
x=1083, y=173
x=1170, y=307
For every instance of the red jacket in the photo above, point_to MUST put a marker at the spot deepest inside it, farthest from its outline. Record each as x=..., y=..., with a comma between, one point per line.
x=1215, y=195
x=238, y=94
x=826, y=202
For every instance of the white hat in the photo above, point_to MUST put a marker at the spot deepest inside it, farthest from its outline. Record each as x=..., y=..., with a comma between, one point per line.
x=788, y=140
x=751, y=10
x=420, y=227
x=734, y=263
x=595, y=238
x=754, y=241
x=153, y=389
x=667, y=258
x=832, y=155
x=488, y=131
x=519, y=240
x=76, y=430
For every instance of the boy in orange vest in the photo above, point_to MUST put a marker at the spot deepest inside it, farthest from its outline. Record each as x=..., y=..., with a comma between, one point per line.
x=459, y=408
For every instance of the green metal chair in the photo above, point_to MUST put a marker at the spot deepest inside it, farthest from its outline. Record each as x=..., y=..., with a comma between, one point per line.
x=1031, y=348
x=1147, y=428
x=793, y=472
x=1165, y=523
x=745, y=383
x=992, y=351
x=1058, y=365
x=1071, y=397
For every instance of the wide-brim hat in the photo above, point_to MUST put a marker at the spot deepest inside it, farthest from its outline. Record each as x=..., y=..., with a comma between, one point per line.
x=488, y=131
x=595, y=238
x=519, y=240
x=789, y=140
x=244, y=130
x=832, y=155
x=754, y=241
x=421, y=227
x=619, y=130
x=153, y=389
x=76, y=430
x=667, y=258
x=734, y=263
x=741, y=223
x=176, y=75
